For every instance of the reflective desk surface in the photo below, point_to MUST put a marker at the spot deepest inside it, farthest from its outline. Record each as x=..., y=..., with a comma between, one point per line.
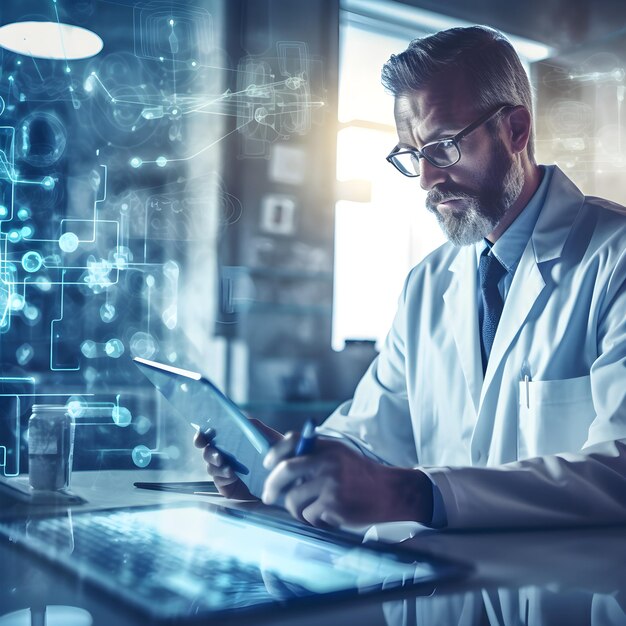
x=562, y=577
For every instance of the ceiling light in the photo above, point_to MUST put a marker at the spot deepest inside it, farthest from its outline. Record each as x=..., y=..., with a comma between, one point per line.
x=50, y=40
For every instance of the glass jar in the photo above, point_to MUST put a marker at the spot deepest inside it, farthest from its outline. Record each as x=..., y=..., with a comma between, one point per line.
x=50, y=447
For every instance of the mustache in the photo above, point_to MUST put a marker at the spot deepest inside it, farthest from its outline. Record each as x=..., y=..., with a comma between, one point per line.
x=440, y=194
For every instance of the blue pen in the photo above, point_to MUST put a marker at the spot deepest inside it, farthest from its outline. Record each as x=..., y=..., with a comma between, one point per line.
x=306, y=443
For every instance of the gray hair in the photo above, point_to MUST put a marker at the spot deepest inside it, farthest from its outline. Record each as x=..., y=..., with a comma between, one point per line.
x=493, y=69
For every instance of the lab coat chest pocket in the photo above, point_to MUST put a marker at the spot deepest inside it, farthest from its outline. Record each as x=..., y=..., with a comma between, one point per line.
x=554, y=416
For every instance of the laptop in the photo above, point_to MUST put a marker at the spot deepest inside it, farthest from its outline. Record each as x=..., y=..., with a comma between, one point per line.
x=200, y=560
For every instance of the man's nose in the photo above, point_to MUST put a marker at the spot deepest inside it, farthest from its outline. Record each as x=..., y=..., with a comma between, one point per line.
x=431, y=175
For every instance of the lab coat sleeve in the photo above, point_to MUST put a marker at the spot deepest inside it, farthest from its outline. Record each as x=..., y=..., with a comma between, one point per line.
x=378, y=419
x=557, y=490
x=566, y=489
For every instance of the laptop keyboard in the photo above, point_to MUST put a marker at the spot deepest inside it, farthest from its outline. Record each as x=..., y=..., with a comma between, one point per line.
x=150, y=567
x=192, y=560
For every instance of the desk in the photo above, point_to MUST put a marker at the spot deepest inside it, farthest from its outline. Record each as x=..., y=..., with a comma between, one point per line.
x=536, y=577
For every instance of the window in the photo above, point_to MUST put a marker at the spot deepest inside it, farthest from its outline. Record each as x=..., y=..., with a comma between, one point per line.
x=382, y=227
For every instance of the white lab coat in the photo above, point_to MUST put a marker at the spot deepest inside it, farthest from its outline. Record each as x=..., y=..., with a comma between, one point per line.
x=504, y=451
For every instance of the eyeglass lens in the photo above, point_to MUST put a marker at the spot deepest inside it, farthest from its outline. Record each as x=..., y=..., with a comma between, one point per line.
x=440, y=154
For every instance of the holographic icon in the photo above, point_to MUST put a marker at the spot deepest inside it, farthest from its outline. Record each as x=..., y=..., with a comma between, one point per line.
x=141, y=456
x=122, y=418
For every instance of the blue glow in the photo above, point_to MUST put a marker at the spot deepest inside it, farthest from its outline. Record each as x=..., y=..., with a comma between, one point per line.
x=141, y=456
x=107, y=313
x=68, y=242
x=48, y=183
x=17, y=302
x=122, y=417
x=114, y=348
x=76, y=406
x=24, y=354
x=32, y=261
x=31, y=313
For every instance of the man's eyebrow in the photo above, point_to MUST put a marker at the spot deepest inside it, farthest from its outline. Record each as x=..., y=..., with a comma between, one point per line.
x=438, y=133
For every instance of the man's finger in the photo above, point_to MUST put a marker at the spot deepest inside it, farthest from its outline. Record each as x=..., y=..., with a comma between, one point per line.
x=202, y=439
x=318, y=514
x=285, y=475
x=281, y=450
x=272, y=435
x=302, y=496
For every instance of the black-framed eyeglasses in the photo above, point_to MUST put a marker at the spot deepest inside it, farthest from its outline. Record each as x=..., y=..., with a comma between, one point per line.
x=443, y=152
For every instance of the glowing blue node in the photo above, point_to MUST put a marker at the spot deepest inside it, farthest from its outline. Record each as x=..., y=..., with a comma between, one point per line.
x=68, y=242
x=1, y=106
x=48, y=183
x=4, y=212
x=141, y=456
x=173, y=452
x=31, y=313
x=24, y=354
x=43, y=283
x=32, y=261
x=143, y=345
x=122, y=417
x=114, y=348
x=17, y=302
x=161, y=161
x=27, y=231
x=107, y=313
x=89, y=349
x=136, y=162
x=142, y=424
x=23, y=214
x=76, y=406
x=150, y=280
x=14, y=236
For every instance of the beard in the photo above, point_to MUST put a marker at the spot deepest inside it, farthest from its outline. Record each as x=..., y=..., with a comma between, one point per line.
x=484, y=208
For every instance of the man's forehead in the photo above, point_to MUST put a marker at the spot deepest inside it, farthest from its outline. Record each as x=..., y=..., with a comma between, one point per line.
x=440, y=105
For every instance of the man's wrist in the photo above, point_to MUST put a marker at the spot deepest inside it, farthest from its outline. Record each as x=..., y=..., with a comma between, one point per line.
x=414, y=491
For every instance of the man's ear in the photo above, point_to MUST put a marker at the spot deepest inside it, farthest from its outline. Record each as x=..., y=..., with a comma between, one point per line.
x=519, y=128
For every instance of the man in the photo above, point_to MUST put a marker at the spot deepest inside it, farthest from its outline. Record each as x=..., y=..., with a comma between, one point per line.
x=499, y=397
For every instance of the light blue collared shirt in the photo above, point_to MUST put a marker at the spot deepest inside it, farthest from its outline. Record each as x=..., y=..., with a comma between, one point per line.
x=511, y=245
x=508, y=249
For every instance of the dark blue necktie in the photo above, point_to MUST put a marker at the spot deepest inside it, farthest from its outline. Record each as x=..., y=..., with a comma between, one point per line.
x=490, y=271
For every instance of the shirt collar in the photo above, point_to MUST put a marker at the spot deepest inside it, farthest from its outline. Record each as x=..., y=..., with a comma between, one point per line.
x=511, y=245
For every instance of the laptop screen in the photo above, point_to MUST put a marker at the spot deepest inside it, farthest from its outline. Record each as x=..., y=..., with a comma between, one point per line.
x=199, y=559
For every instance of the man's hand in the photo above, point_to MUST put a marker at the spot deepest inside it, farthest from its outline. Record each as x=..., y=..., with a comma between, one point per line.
x=225, y=479
x=336, y=485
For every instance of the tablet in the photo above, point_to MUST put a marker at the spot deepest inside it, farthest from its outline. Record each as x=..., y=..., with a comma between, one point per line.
x=203, y=562
x=205, y=407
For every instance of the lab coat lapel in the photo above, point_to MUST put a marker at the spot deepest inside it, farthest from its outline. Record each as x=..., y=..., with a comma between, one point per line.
x=562, y=204
x=527, y=284
x=462, y=317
